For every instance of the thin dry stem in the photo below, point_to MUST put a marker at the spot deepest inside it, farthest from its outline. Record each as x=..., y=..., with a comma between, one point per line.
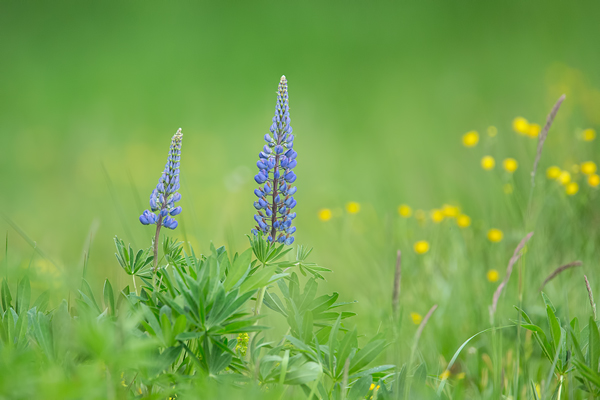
x=423, y=323
x=558, y=271
x=543, y=135
x=590, y=295
x=397, y=280
x=515, y=257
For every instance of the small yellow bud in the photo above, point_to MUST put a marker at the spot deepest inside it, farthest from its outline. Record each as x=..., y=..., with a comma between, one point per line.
x=521, y=125
x=492, y=131
x=534, y=130
x=325, y=214
x=588, y=167
x=593, y=180
x=564, y=178
x=437, y=215
x=588, y=135
x=494, y=235
x=553, y=172
x=421, y=247
x=450, y=211
x=405, y=211
x=510, y=165
x=353, y=207
x=463, y=221
x=572, y=188
x=416, y=318
x=445, y=375
x=493, y=275
x=488, y=163
x=470, y=139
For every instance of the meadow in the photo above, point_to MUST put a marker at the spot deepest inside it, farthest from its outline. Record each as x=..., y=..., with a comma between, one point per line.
x=427, y=263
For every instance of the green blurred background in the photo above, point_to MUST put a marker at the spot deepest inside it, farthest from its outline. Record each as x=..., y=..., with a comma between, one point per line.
x=380, y=94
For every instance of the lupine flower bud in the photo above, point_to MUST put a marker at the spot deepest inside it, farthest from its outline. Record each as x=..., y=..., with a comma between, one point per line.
x=275, y=171
x=164, y=197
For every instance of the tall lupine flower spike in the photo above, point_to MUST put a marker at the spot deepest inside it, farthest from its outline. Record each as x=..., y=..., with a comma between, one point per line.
x=164, y=197
x=275, y=176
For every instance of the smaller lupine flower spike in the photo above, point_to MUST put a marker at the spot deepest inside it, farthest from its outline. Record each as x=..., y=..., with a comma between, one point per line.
x=165, y=195
x=277, y=159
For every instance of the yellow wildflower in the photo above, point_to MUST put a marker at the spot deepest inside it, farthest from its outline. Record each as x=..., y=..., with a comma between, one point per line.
x=494, y=235
x=450, y=211
x=405, y=211
x=508, y=188
x=534, y=130
x=325, y=214
x=437, y=215
x=463, y=220
x=564, y=178
x=492, y=275
x=488, y=162
x=492, y=131
x=470, y=139
x=353, y=207
x=572, y=188
x=553, y=172
x=421, y=247
x=510, y=165
x=416, y=318
x=588, y=135
x=374, y=387
x=593, y=180
x=445, y=375
x=461, y=376
x=588, y=167
x=521, y=125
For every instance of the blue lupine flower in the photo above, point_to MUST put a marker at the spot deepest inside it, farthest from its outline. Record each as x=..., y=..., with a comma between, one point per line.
x=275, y=164
x=164, y=197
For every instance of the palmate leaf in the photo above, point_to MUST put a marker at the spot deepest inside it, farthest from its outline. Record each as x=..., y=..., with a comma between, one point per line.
x=367, y=354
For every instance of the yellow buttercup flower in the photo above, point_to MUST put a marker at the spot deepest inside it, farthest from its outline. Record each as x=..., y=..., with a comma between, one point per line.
x=488, y=162
x=494, y=235
x=405, y=211
x=521, y=125
x=534, y=130
x=445, y=375
x=421, y=247
x=470, y=139
x=588, y=167
x=492, y=131
x=416, y=318
x=325, y=214
x=461, y=376
x=508, y=188
x=564, y=178
x=353, y=207
x=492, y=275
x=437, y=215
x=463, y=220
x=593, y=180
x=450, y=211
x=510, y=165
x=374, y=387
x=572, y=188
x=588, y=135
x=553, y=172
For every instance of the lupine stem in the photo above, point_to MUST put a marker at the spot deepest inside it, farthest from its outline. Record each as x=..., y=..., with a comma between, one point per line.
x=259, y=300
